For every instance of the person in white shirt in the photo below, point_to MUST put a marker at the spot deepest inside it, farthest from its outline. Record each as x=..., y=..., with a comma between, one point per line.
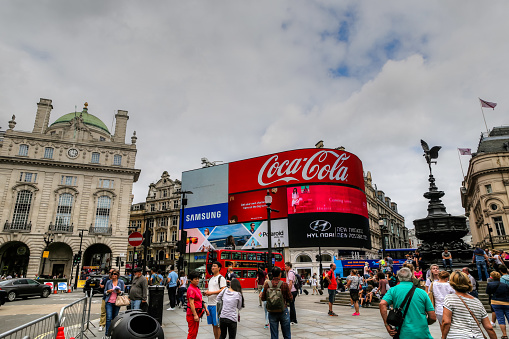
x=314, y=282
x=435, y=270
x=216, y=284
x=440, y=289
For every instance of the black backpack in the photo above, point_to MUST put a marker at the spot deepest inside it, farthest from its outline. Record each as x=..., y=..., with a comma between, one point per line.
x=298, y=281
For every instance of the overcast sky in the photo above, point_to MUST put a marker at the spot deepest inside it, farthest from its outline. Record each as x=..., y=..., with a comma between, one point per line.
x=229, y=80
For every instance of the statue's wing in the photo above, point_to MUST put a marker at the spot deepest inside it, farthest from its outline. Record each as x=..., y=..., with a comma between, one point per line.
x=425, y=146
x=434, y=152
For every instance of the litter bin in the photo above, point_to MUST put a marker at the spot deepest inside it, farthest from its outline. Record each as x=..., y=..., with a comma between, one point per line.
x=135, y=324
x=155, y=302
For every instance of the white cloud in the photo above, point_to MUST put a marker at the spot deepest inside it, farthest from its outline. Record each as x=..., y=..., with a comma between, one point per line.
x=231, y=80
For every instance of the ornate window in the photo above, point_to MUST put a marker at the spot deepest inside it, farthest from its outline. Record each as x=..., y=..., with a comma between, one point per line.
x=102, y=214
x=28, y=177
x=326, y=257
x=161, y=236
x=488, y=189
x=175, y=220
x=174, y=236
x=106, y=183
x=163, y=205
x=175, y=204
x=68, y=180
x=64, y=210
x=163, y=222
x=499, y=225
x=23, y=150
x=117, y=159
x=48, y=153
x=95, y=157
x=303, y=258
x=22, y=208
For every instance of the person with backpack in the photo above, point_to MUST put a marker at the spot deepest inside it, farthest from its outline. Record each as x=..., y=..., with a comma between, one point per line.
x=332, y=286
x=277, y=294
x=231, y=301
x=216, y=284
x=292, y=279
x=155, y=278
x=353, y=283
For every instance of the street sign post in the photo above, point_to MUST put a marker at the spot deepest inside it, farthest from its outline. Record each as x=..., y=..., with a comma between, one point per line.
x=135, y=239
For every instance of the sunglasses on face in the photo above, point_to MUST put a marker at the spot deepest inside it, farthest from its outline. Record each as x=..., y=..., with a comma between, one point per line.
x=114, y=273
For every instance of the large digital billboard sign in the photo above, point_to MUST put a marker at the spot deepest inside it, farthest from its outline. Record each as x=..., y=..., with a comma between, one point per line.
x=250, y=206
x=329, y=229
x=209, y=186
x=326, y=198
x=295, y=167
x=205, y=216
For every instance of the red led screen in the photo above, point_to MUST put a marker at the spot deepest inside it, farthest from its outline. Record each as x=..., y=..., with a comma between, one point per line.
x=250, y=206
x=326, y=198
x=304, y=166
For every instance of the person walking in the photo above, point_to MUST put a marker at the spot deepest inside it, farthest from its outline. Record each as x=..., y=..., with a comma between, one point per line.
x=383, y=284
x=230, y=276
x=233, y=301
x=333, y=285
x=112, y=289
x=481, y=260
x=139, y=289
x=434, y=270
x=195, y=309
x=216, y=284
x=102, y=320
x=447, y=258
x=420, y=311
x=260, y=280
x=505, y=275
x=440, y=289
x=280, y=297
x=499, y=300
x=291, y=278
x=474, y=292
x=353, y=283
x=460, y=308
x=172, y=287
x=182, y=288
x=314, y=283
x=156, y=278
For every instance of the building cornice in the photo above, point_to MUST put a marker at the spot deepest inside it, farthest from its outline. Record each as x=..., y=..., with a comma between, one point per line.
x=75, y=166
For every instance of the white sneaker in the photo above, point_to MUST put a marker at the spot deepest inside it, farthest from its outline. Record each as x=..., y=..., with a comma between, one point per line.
x=100, y=329
x=170, y=309
x=493, y=324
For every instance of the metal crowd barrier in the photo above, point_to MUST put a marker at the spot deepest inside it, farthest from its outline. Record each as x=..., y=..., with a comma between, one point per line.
x=73, y=318
x=42, y=328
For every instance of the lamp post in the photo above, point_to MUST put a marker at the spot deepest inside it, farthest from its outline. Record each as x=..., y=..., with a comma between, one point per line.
x=79, y=258
x=383, y=228
x=183, y=236
x=489, y=232
x=268, y=202
x=48, y=237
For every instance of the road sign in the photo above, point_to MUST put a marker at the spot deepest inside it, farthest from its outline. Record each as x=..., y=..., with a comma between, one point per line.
x=50, y=284
x=62, y=286
x=45, y=254
x=135, y=239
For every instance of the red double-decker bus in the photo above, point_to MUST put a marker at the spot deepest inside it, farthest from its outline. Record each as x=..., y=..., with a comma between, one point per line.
x=244, y=263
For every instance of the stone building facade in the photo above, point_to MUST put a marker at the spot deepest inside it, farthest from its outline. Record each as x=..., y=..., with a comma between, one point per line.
x=61, y=181
x=485, y=190
x=160, y=214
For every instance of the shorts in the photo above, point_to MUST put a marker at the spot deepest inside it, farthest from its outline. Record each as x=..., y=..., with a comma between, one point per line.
x=212, y=317
x=332, y=294
x=354, y=294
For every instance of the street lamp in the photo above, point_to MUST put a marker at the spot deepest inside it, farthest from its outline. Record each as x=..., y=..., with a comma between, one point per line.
x=48, y=237
x=489, y=232
x=268, y=202
x=383, y=228
x=79, y=257
x=183, y=235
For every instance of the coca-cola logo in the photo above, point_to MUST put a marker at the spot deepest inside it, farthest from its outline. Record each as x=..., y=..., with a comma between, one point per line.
x=274, y=171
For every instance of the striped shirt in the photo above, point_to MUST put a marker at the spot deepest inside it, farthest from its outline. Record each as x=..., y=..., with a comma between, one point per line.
x=462, y=324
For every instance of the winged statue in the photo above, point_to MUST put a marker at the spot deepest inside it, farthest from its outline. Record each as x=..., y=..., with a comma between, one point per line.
x=430, y=154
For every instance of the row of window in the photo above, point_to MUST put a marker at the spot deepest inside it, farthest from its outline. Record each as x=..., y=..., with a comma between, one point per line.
x=164, y=205
x=161, y=236
x=67, y=180
x=64, y=209
x=48, y=154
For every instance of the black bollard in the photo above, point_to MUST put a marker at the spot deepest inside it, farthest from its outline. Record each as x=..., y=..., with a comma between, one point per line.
x=155, y=302
x=135, y=324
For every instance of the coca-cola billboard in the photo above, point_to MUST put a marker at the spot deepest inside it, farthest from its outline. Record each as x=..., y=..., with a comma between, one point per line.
x=296, y=167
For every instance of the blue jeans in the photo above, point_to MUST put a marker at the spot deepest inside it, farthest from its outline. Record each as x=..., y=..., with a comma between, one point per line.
x=266, y=312
x=447, y=262
x=482, y=264
x=502, y=313
x=111, y=313
x=279, y=317
x=135, y=304
x=181, y=297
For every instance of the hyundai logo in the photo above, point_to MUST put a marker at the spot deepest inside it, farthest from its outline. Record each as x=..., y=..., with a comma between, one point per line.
x=320, y=225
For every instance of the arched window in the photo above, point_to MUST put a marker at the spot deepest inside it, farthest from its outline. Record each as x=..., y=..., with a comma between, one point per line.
x=22, y=209
x=64, y=210
x=102, y=215
x=303, y=258
x=326, y=257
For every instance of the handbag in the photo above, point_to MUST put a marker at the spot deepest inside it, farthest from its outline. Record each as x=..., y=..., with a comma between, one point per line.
x=396, y=316
x=430, y=295
x=473, y=316
x=122, y=300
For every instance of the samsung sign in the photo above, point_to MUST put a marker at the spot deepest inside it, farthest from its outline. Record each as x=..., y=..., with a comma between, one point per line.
x=206, y=216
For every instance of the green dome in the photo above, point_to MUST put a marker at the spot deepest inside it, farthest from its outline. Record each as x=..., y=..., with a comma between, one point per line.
x=88, y=119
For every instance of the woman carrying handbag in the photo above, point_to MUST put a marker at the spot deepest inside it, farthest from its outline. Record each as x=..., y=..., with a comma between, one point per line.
x=112, y=290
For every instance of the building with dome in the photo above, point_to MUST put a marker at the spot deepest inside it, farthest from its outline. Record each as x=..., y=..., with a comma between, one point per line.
x=65, y=187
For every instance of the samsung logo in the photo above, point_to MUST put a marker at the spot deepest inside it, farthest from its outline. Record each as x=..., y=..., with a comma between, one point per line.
x=203, y=216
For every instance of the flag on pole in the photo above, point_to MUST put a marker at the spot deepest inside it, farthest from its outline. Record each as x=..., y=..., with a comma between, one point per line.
x=465, y=151
x=487, y=104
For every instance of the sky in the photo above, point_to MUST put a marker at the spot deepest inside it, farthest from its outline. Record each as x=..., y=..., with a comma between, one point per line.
x=229, y=80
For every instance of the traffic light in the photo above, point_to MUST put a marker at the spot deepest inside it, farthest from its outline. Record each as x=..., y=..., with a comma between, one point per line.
x=180, y=263
x=181, y=246
x=147, y=237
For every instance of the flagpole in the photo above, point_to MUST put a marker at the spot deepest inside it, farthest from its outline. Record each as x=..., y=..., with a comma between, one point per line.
x=461, y=165
x=482, y=111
